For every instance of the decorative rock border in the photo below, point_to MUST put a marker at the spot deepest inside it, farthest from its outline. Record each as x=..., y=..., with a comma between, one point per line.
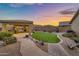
x=50, y=43
x=2, y=44
x=60, y=39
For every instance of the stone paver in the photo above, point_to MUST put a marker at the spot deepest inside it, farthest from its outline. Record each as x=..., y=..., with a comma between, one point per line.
x=28, y=47
x=10, y=50
x=62, y=49
x=74, y=52
x=56, y=50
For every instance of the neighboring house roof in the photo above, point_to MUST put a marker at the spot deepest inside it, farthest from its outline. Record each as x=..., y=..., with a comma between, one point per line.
x=16, y=21
x=76, y=14
x=65, y=23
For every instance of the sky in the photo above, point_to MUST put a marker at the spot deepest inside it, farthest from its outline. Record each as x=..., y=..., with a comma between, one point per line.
x=39, y=13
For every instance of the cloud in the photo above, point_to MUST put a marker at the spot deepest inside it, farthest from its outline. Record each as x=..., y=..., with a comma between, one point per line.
x=15, y=5
x=22, y=4
x=68, y=11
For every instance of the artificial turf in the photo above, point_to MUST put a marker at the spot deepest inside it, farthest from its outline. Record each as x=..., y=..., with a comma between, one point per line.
x=46, y=37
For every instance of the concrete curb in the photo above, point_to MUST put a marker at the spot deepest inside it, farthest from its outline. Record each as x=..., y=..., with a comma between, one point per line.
x=60, y=39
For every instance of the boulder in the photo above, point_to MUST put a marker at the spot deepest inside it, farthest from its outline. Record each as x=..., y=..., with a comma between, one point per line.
x=1, y=43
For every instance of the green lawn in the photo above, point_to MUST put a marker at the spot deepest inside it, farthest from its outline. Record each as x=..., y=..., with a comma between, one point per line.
x=45, y=37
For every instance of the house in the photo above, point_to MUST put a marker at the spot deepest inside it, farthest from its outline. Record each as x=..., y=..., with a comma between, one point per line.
x=64, y=23
x=75, y=23
x=64, y=26
x=16, y=26
x=45, y=28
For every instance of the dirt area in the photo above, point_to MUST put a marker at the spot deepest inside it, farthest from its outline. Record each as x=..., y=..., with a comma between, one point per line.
x=10, y=50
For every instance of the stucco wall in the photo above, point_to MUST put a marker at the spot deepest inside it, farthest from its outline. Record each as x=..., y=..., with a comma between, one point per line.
x=75, y=25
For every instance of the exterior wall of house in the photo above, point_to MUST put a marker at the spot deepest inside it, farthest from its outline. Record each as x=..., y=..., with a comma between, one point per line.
x=64, y=28
x=75, y=25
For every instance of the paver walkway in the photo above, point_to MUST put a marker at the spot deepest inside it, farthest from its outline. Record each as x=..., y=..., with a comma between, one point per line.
x=74, y=52
x=28, y=47
x=61, y=49
x=10, y=50
x=56, y=49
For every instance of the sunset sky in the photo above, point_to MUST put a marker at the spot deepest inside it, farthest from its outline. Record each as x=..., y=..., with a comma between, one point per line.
x=39, y=13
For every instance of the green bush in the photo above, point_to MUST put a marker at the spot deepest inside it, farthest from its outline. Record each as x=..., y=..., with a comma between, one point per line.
x=5, y=34
x=9, y=40
x=7, y=37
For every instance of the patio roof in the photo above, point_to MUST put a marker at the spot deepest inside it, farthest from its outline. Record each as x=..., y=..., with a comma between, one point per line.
x=16, y=21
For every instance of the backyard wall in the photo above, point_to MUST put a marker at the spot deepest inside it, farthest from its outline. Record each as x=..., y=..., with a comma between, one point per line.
x=64, y=28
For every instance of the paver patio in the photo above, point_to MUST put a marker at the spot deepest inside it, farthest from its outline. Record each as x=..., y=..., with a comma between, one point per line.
x=28, y=47
x=74, y=52
x=56, y=50
x=61, y=49
x=10, y=50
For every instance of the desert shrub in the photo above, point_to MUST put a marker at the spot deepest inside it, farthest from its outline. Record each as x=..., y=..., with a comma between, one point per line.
x=8, y=34
x=5, y=34
x=7, y=37
x=9, y=40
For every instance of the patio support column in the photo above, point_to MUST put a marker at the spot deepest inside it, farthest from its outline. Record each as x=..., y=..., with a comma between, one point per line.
x=4, y=29
x=15, y=28
x=30, y=29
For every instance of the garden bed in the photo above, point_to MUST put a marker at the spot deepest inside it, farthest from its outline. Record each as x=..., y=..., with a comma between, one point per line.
x=7, y=38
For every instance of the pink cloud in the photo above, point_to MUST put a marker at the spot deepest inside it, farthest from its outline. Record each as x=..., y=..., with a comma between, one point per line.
x=68, y=11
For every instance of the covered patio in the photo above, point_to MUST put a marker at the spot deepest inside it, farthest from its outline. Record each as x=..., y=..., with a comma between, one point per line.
x=16, y=26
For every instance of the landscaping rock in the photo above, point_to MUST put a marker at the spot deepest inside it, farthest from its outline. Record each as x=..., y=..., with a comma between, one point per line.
x=26, y=36
x=1, y=43
x=42, y=43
